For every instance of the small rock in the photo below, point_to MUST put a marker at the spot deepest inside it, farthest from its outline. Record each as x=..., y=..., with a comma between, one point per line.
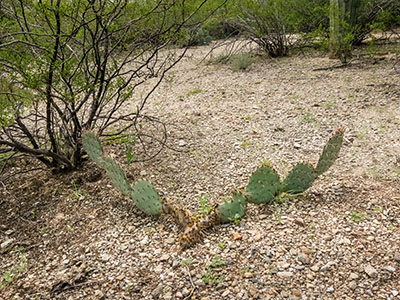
x=390, y=269
x=164, y=257
x=353, y=285
x=397, y=256
x=303, y=258
x=181, y=143
x=9, y=232
x=296, y=292
x=353, y=276
x=120, y=277
x=179, y=295
x=236, y=236
x=199, y=282
x=185, y=292
x=226, y=293
x=305, y=250
x=284, y=274
x=330, y=290
x=315, y=268
x=327, y=267
x=143, y=173
x=248, y=275
x=371, y=271
x=300, y=222
x=168, y=296
x=157, y=291
x=6, y=243
x=395, y=293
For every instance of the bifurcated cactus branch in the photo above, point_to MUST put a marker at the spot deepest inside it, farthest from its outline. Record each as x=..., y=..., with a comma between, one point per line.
x=263, y=187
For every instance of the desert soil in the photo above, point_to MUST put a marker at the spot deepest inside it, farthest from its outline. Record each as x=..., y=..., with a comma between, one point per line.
x=74, y=236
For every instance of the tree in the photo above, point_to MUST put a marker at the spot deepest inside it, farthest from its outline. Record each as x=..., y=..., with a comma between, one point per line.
x=73, y=65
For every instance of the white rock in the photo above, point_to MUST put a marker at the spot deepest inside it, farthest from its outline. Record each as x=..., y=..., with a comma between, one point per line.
x=284, y=274
x=371, y=271
x=181, y=143
x=6, y=243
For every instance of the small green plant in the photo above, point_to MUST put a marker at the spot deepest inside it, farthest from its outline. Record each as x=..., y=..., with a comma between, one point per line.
x=242, y=61
x=76, y=190
x=308, y=118
x=217, y=262
x=245, y=144
x=357, y=216
x=221, y=245
x=205, y=208
x=210, y=275
x=194, y=92
x=248, y=118
x=187, y=262
x=130, y=156
x=15, y=271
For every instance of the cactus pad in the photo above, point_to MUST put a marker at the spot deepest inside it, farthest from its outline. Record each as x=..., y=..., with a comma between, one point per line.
x=93, y=147
x=299, y=179
x=117, y=176
x=330, y=152
x=263, y=185
x=229, y=210
x=146, y=198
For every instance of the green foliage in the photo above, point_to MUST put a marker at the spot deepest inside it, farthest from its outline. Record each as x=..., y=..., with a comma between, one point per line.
x=263, y=185
x=233, y=208
x=330, y=152
x=299, y=179
x=146, y=198
x=241, y=61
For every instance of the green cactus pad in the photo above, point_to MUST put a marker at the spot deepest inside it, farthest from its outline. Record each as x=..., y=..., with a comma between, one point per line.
x=93, y=147
x=117, y=176
x=263, y=185
x=146, y=198
x=330, y=152
x=230, y=210
x=299, y=179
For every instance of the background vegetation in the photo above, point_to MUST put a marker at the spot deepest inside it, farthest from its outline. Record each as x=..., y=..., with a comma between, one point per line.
x=70, y=66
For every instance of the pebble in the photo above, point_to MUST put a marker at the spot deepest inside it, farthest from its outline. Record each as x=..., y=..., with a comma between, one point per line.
x=168, y=296
x=395, y=293
x=397, y=256
x=353, y=285
x=327, y=267
x=315, y=268
x=185, y=292
x=303, y=258
x=157, y=291
x=179, y=295
x=371, y=271
x=199, y=282
x=6, y=243
x=182, y=143
x=390, y=269
x=226, y=293
x=284, y=274
x=330, y=290
x=353, y=276
x=248, y=275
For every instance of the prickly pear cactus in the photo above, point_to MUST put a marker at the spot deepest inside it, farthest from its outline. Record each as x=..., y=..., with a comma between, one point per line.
x=330, y=152
x=146, y=198
x=117, y=176
x=232, y=209
x=299, y=179
x=93, y=147
x=263, y=185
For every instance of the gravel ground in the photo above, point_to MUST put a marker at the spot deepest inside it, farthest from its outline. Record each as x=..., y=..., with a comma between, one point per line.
x=75, y=237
